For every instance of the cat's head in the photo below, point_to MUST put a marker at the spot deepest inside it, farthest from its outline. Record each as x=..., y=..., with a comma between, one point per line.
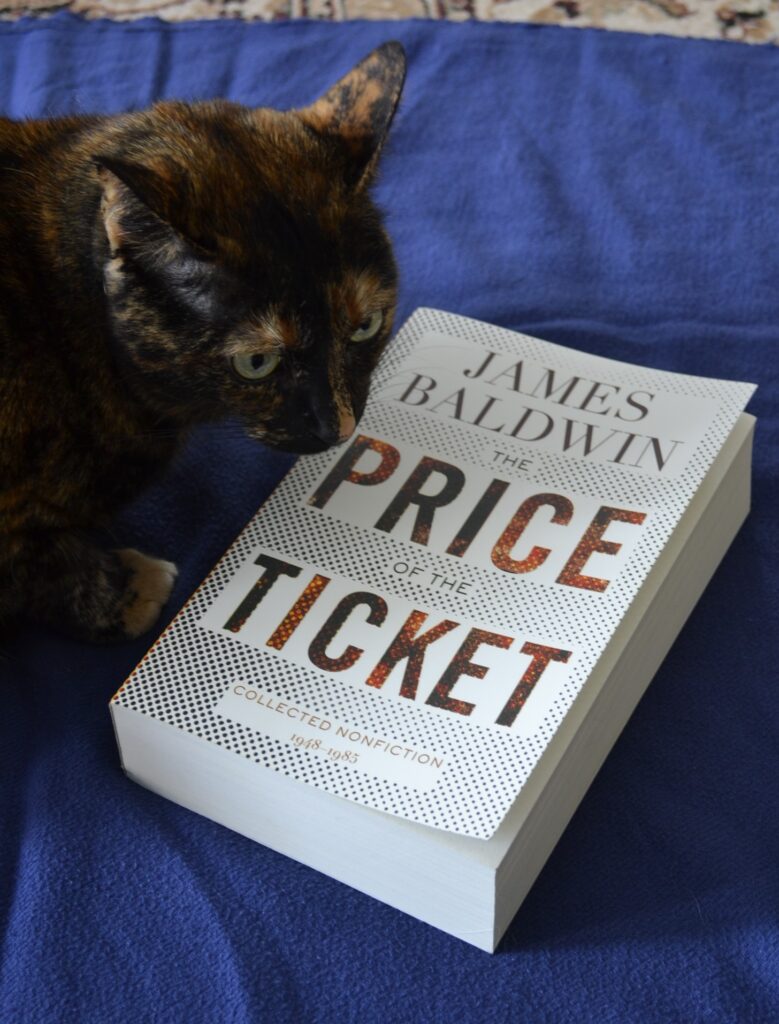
x=246, y=268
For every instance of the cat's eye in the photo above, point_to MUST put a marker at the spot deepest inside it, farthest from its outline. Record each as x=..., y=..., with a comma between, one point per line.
x=369, y=328
x=255, y=365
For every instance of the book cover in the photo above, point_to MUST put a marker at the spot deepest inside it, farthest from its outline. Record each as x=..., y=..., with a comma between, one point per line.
x=409, y=617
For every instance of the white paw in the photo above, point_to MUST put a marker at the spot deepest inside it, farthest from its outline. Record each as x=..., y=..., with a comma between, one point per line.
x=149, y=588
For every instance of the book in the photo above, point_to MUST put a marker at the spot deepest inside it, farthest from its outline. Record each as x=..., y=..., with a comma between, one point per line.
x=411, y=663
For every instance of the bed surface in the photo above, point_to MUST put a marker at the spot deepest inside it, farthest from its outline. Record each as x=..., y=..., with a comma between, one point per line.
x=616, y=193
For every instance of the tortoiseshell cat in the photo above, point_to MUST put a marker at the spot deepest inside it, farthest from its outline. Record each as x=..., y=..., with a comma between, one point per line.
x=165, y=268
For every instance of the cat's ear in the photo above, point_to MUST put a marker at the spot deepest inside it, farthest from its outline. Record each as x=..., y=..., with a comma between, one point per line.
x=139, y=208
x=131, y=193
x=138, y=219
x=358, y=110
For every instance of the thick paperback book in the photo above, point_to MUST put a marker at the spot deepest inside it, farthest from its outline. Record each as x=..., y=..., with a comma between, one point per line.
x=412, y=661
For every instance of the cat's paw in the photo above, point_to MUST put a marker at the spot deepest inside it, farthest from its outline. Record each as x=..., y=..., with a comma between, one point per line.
x=151, y=582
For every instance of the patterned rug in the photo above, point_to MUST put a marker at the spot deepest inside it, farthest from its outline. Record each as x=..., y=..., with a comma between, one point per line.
x=748, y=21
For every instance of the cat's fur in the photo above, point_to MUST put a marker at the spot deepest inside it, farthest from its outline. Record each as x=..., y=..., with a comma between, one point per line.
x=139, y=256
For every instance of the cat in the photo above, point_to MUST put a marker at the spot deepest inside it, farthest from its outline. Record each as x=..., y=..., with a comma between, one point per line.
x=165, y=268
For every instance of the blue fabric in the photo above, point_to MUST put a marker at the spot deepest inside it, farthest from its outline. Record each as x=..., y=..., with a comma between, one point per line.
x=607, y=191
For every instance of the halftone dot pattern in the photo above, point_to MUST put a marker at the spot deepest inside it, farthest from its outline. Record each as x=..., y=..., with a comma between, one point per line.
x=189, y=669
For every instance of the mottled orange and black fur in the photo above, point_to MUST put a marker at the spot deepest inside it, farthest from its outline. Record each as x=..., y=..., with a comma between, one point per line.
x=152, y=267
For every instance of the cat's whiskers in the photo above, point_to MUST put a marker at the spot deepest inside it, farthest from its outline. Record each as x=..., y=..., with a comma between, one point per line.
x=20, y=170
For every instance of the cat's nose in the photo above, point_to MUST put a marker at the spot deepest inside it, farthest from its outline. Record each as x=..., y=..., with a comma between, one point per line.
x=325, y=429
x=332, y=429
x=336, y=435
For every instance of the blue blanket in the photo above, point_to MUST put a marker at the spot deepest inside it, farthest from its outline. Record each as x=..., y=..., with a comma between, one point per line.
x=612, y=192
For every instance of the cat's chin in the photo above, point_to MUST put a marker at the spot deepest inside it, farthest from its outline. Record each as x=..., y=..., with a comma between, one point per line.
x=300, y=446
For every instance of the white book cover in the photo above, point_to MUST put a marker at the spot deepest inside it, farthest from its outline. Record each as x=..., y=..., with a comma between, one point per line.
x=409, y=617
